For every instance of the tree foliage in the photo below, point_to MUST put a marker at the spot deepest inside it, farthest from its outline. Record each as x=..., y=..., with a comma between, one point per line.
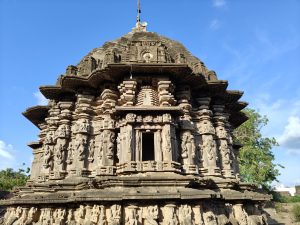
x=10, y=178
x=256, y=159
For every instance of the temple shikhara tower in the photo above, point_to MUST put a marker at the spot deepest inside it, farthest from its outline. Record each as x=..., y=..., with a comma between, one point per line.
x=140, y=132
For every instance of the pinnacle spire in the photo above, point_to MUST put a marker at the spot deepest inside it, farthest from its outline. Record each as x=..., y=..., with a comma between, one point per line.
x=139, y=26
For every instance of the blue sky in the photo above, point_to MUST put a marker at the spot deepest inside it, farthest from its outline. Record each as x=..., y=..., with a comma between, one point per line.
x=253, y=44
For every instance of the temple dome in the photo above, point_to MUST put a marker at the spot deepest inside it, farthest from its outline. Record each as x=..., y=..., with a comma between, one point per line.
x=140, y=47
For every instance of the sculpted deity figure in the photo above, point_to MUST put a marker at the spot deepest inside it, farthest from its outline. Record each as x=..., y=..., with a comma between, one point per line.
x=114, y=217
x=131, y=217
x=23, y=217
x=59, y=216
x=79, y=215
x=150, y=215
x=166, y=138
x=48, y=156
x=70, y=217
x=209, y=149
x=188, y=148
x=49, y=139
x=110, y=145
x=80, y=147
x=70, y=156
x=206, y=127
x=62, y=131
x=225, y=154
x=82, y=127
x=32, y=216
x=91, y=150
x=119, y=147
x=221, y=132
x=185, y=215
x=46, y=216
x=59, y=152
x=14, y=216
x=102, y=218
x=170, y=216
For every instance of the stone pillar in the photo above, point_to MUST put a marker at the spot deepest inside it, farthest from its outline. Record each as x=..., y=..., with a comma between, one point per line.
x=82, y=130
x=50, y=140
x=165, y=93
x=222, y=141
x=127, y=92
x=207, y=139
x=158, y=146
x=234, y=148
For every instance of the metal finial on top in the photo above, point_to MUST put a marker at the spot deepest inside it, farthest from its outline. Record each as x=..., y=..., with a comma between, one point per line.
x=138, y=18
x=139, y=26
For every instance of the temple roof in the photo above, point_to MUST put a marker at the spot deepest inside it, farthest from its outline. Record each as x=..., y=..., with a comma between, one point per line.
x=140, y=47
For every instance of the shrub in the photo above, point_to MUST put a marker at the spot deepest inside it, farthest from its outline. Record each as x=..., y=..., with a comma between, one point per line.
x=296, y=212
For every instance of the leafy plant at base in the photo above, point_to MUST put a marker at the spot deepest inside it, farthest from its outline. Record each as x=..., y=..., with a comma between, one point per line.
x=256, y=159
x=10, y=178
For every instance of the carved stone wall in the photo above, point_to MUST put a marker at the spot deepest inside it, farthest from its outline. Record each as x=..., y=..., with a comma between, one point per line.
x=134, y=213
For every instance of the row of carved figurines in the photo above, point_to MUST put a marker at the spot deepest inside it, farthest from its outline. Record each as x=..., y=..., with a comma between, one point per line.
x=169, y=214
x=208, y=152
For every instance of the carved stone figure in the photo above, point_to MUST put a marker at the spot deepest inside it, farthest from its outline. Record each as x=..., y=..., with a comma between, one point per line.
x=170, y=216
x=114, y=217
x=59, y=216
x=80, y=214
x=32, y=216
x=185, y=215
x=150, y=215
x=91, y=150
x=70, y=217
x=131, y=216
x=70, y=156
x=188, y=150
x=198, y=217
x=80, y=148
x=48, y=156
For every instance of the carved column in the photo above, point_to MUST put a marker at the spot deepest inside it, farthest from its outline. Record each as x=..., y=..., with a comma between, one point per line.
x=127, y=92
x=234, y=148
x=158, y=146
x=165, y=93
x=207, y=139
x=222, y=141
x=81, y=133
x=50, y=139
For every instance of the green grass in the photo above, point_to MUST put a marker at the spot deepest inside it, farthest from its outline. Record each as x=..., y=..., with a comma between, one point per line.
x=285, y=199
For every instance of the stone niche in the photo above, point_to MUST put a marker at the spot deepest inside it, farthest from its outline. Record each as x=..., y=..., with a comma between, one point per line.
x=139, y=132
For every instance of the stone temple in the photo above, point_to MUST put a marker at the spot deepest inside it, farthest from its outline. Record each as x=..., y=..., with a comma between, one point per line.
x=139, y=132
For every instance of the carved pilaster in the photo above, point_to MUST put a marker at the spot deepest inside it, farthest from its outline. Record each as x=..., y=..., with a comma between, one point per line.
x=165, y=93
x=207, y=144
x=224, y=149
x=127, y=92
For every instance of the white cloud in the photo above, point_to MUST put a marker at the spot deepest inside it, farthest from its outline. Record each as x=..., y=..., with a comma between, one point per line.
x=5, y=150
x=219, y=3
x=290, y=137
x=7, y=157
x=215, y=24
x=40, y=98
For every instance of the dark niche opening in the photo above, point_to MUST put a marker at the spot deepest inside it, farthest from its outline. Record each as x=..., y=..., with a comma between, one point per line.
x=147, y=146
